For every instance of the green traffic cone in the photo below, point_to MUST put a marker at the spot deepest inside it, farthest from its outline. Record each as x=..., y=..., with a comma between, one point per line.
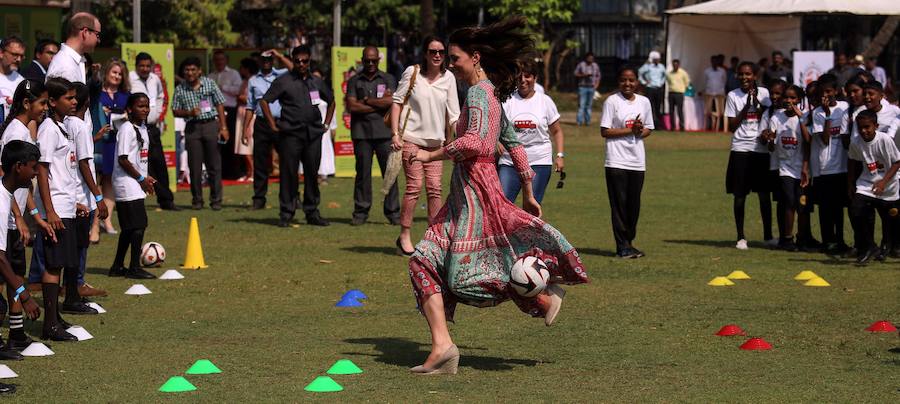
x=177, y=384
x=344, y=367
x=203, y=367
x=323, y=384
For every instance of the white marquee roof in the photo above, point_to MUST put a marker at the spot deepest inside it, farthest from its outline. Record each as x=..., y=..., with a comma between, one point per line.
x=781, y=7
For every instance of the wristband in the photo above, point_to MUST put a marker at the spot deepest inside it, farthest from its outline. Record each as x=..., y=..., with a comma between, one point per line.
x=561, y=155
x=19, y=292
x=98, y=198
x=33, y=211
x=141, y=179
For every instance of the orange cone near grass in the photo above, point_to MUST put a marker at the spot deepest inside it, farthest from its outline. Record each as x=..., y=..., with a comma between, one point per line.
x=756, y=344
x=882, y=326
x=194, y=257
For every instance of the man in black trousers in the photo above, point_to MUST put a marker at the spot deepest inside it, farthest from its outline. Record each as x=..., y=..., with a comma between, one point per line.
x=299, y=132
x=369, y=96
x=143, y=80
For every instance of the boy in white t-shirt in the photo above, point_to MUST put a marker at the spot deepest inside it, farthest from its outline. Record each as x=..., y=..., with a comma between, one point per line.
x=627, y=120
x=19, y=161
x=788, y=140
x=90, y=194
x=888, y=123
x=874, y=161
x=748, y=163
x=828, y=163
x=131, y=184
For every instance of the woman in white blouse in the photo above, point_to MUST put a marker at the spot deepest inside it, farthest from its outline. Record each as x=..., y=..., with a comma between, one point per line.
x=423, y=123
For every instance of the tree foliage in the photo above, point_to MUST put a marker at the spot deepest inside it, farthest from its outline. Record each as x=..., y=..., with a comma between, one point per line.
x=187, y=24
x=541, y=15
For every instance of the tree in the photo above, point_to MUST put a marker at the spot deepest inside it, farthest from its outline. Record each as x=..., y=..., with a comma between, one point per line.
x=187, y=24
x=426, y=10
x=368, y=17
x=543, y=17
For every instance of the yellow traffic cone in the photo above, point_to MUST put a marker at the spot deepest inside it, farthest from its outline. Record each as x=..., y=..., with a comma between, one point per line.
x=720, y=281
x=805, y=276
x=738, y=275
x=817, y=281
x=194, y=257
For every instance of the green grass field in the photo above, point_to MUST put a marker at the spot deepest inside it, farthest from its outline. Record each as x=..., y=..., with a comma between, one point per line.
x=641, y=331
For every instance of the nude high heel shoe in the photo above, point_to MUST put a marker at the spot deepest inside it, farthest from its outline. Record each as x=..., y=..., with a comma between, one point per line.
x=556, y=294
x=447, y=365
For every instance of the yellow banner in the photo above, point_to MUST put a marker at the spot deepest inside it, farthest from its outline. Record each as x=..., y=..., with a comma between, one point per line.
x=346, y=62
x=163, y=55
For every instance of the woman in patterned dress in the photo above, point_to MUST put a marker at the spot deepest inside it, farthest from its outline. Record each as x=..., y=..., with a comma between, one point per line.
x=470, y=246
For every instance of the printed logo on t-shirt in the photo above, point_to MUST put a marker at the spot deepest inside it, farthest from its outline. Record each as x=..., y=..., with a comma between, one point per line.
x=752, y=117
x=874, y=167
x=629, y=123
x=523, y=124
x=835, y=130
x=789, y=142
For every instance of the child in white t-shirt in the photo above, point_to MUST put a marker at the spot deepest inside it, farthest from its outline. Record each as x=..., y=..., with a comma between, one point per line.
x=874, y=161
x=788, y=141
x=828, y=163
x=627, y=120
x=748, y=162
x=773, y=180
x=29, y=105
x=89, y=193
x=57, y=200
x=131, y=184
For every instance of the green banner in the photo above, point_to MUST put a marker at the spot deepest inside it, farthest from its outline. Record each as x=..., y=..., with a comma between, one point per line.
x=163, y=55
x=346, y=62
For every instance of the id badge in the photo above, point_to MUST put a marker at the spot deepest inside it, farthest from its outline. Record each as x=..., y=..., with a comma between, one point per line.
x=205, y=106
x=314, y=97
x=73, y=161
x=379, y=92
x=145, y=154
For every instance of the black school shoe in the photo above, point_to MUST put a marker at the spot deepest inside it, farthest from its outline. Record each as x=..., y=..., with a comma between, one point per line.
x=787, y=244
x=637, y=253
x=57, y=333
x=863, y=259
x=7, y=388
x=117, y=271
x=19, y=344
x=7, y=353
x=809, y=244
x=78, y=307
x=317, y=221
x=138, y=273
x=626, y=253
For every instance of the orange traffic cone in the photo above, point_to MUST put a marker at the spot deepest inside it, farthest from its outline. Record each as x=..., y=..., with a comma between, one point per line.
x=194, y=257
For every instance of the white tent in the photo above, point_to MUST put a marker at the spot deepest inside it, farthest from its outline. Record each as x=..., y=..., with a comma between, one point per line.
x=750, y=30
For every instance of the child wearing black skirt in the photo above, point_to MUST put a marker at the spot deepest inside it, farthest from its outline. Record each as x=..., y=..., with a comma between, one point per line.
x=131, y=185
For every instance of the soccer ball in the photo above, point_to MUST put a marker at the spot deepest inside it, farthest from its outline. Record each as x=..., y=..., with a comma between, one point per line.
x=153, y=254
x=529, y=276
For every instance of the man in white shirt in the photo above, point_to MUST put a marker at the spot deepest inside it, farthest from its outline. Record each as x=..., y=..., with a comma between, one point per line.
x=877, y=72
x=84, y=34
x=13, y=51
x=714, y=93
x=229, y=82
x=143, y=80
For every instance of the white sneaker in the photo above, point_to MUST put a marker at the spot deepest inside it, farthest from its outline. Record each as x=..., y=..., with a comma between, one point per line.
x=772, y=242
x=742, y=245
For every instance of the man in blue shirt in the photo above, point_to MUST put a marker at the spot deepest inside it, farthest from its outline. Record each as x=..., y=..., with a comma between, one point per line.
x=263, y=137
x=652, y=76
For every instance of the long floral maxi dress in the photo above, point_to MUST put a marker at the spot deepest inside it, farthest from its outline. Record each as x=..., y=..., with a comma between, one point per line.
x=470, y=246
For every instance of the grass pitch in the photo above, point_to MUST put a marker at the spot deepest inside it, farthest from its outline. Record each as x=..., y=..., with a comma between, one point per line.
x=641, y=331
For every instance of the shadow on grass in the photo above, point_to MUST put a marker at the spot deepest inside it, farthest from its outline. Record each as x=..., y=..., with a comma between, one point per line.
x=269, y=221
x=895, y=350
x=364, y=249
x=596, y=251
x=405, y=353
x=717, y=243
x=824, y=261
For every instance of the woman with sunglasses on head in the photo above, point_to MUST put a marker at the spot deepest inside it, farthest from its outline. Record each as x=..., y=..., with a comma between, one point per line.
x=534, y=118
x=424, y=111
x=468, y=251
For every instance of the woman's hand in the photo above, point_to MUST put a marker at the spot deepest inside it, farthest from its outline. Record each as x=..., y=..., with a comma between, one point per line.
x=396, y=142
x=560, y=164
x=532, y=206
x=423, y=156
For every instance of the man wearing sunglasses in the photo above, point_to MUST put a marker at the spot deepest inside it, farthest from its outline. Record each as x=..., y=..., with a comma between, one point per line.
x=84, y=35
x=369, y=96
x=299, y=132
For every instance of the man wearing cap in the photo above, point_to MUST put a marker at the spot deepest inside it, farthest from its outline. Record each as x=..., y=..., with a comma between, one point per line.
x=652, y=76
x=263, y=137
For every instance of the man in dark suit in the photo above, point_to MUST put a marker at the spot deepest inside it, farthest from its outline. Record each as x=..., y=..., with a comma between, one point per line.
x=43, y=54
